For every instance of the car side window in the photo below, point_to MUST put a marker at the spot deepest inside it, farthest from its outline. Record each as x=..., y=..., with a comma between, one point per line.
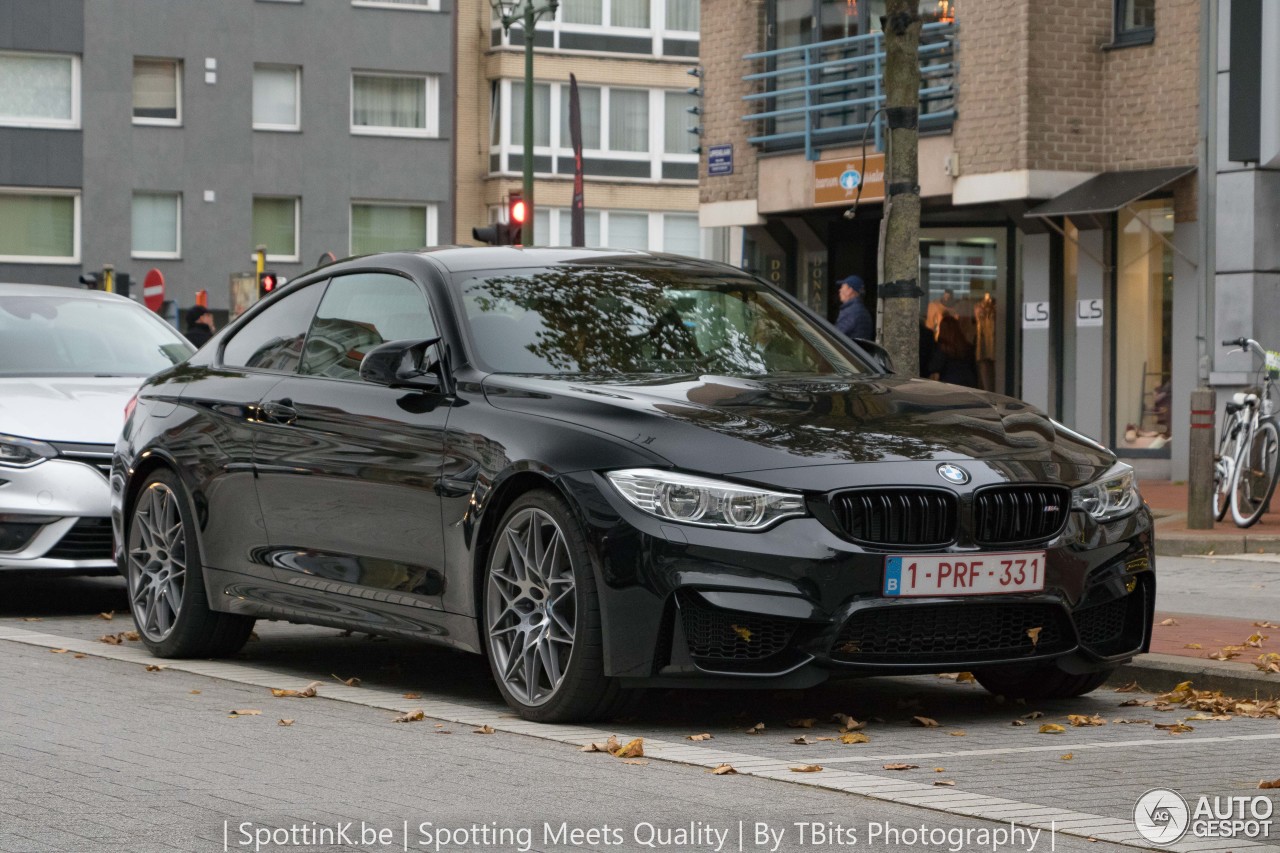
x=273, y=339
x=358, y=313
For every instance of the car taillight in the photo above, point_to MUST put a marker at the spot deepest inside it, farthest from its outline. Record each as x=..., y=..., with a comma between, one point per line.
x=130, y=406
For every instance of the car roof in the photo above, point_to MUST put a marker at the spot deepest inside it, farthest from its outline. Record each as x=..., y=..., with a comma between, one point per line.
x=65, y=292
x=470, y=258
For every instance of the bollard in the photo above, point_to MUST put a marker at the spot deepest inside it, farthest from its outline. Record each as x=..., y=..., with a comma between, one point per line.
x=1201, y=450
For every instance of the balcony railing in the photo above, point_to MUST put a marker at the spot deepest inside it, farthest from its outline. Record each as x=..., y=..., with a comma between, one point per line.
x=820, y=95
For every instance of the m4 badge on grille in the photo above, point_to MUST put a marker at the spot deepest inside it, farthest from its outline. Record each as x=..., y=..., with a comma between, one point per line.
x=953, y=473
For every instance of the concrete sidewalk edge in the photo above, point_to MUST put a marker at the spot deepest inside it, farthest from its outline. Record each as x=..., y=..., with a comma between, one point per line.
x=1174, y=540
x=1161, y=673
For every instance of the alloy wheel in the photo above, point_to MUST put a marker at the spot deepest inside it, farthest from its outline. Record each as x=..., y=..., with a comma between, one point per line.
x=531, y=607
x=157, y=561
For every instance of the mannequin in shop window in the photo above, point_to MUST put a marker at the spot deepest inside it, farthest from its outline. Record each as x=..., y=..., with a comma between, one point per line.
x=952, y=359
x=984, y=326
x=941, y=307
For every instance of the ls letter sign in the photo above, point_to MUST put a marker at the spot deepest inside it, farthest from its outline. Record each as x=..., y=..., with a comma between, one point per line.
x=1088, y=313
x=1035, y=315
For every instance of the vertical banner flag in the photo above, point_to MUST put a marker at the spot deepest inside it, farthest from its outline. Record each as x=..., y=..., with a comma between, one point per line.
x=577, y=218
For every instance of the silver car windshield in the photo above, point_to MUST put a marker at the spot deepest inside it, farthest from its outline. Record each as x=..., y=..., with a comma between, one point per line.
x=71, y=336
x=604, y=320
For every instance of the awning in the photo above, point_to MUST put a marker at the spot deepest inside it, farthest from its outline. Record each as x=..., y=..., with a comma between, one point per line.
x=1110, y=191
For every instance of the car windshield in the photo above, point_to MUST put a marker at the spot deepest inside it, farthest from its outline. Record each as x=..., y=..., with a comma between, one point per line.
x=75, y=336
x=578, y=319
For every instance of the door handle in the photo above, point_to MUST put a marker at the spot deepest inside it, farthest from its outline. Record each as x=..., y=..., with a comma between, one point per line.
x=279, y=411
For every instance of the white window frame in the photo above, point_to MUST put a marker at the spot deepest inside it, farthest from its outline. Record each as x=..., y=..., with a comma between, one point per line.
x=75, y=217
x=429, y=6
x=297, y=226
x=432, y=237
x=72, y=123
x=296, y=127
x=560, y=149
x=656, y=224
x=178, y=69
x=171, y=256
x=656, y=32
x=431, y=106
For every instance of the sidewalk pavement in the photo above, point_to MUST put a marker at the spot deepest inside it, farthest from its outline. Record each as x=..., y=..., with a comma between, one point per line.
x=1180, y=649
x=1168, y=502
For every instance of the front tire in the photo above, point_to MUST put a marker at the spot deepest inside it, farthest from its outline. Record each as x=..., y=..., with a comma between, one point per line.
x=166, y=579
x=1256, y=479
x=541, y=616
x=1045, y=681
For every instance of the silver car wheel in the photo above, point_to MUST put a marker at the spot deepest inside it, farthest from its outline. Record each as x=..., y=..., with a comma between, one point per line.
x=531, y=607
x=157, y=561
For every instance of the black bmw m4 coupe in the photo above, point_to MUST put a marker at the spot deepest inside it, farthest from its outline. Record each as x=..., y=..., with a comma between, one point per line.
x=608, y=470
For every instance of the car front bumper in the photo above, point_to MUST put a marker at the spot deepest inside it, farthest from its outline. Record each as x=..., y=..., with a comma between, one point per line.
x=799, y=603
x=57, y=518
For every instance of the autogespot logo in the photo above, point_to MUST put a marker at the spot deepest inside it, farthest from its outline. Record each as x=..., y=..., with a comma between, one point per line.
x=953, y=473
x=1161, y=816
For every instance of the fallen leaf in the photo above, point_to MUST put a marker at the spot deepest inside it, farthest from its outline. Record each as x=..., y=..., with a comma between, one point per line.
x=1018, y=723
x=610, y=746
x=1081, y=720
x=1193, y=646
x=109, y=615
x=413, y=695
x=1270, y=662
x=1051, y=729
x=636, y=762
x=1034, y=715
x=817, y=739
x=410, y=716
x=925, y=722
x=723, y=770
x=1169, y=623
x=901, y=766
x=1255, y=641
x=957, y=734
x=1204, y=718
x=699, y=737
x=1136, y=703
x=847, y=723
x=350, y=682
x=305, y=693
x=1265, y=624
x=1265, y=785
x=958, y=677
x=807, y=768
x=939, y=770
x=755, y=730
x=854, y=737
x=284, y=722
x=632, y=749
x=155, y=667
x=111, y=639
x=1175, y=728
x=78, y=657
x=803, y=740
x=58, y=651
x=32, y=618
x=1123, y=722
x=195, y=692
x=486, y=729
x=943, y=783
x=1067, y=757
x=246, y=712
x=1131, y=687
x=804, y=723
x=131, y=636
x=744, y=633
x=1034, y=634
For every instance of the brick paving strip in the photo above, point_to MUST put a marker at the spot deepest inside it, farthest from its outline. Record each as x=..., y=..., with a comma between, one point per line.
x=905, y=792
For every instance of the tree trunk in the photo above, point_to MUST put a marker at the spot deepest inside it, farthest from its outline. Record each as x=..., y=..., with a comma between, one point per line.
x=899, y=289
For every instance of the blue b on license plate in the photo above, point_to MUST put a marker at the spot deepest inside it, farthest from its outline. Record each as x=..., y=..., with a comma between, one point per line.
x=963, y=574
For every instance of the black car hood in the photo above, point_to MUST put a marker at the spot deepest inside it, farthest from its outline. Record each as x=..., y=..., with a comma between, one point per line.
x=726, y=425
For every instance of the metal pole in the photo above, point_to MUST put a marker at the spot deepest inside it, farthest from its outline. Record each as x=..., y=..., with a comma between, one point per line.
x=530, y=20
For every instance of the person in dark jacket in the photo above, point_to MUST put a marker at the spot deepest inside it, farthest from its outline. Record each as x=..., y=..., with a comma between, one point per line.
x=855, y=320
x=199, y=326
x=952, y=359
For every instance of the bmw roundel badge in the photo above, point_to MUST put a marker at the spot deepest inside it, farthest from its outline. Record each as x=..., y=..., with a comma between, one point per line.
x=953, y=473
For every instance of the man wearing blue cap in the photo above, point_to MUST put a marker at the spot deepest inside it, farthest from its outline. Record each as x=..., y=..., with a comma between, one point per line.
x=855, y=320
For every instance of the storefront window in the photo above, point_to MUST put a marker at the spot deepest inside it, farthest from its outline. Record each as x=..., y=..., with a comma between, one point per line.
x=963, y=307
x=1144, y=310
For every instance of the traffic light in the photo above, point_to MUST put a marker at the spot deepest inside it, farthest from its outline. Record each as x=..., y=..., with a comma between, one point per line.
x=122, y=283
x=493, y=235
x=90, y=281
x=267, y=282
x=517, y=215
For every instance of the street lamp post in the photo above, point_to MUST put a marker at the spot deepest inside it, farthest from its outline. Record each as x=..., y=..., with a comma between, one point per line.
x=527, y=12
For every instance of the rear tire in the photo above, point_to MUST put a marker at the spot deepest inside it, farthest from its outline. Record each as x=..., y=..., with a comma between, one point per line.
x=1045, y=681
x=166, y=580
x=1224, y=466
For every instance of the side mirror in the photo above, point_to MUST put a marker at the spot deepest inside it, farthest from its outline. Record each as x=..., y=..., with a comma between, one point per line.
x=878, y=354
x=406, y=364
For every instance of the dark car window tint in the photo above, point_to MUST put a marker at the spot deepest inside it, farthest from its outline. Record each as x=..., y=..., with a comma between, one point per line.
x=358, y=313
x=273, y=339
x=597, y=319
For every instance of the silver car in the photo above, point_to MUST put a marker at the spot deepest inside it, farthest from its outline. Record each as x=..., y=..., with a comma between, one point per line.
x=70, y=361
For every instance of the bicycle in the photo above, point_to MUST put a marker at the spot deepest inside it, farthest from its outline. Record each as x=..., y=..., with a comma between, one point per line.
x=1245, y=465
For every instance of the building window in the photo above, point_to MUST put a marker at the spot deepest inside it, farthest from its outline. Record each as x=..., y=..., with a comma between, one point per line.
x=157, y=225
x=620, y=27
x=677, y=233
x=679, y=123
x=275, y=225
x=417, y=5
x=681, y=235
x=589, y=107
x=683, y=15
x=629, y=120
x=277, y=94
x=541, y=114
x=394, y=104
x=391, y=226
x=39, y=90
x=157, y=91
x=1135, y=21
x=39, y=226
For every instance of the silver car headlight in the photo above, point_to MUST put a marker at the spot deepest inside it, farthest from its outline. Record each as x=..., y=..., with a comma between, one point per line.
x=1111, y=496
x=698, y=500
x=23, y=452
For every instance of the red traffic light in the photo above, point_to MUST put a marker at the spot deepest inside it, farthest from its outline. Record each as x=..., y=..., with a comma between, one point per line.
x=517, y=211
x=267, y=282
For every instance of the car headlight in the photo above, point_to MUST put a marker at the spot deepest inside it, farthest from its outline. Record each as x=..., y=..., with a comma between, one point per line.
x=697, y=500
x=23, y=452
x=1111, y=496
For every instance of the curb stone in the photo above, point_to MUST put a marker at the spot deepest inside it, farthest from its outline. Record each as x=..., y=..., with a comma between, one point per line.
x=1161, y=673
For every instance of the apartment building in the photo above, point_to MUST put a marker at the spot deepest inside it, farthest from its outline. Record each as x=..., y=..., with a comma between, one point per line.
x=180, y=136
x=631, y=59
x=1059, y=171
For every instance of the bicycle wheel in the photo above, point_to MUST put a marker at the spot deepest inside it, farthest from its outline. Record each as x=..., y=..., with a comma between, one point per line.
x=1256, y=479
x=1224, y=466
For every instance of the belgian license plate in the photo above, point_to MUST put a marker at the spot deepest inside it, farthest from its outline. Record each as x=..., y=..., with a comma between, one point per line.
x=964, y=574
